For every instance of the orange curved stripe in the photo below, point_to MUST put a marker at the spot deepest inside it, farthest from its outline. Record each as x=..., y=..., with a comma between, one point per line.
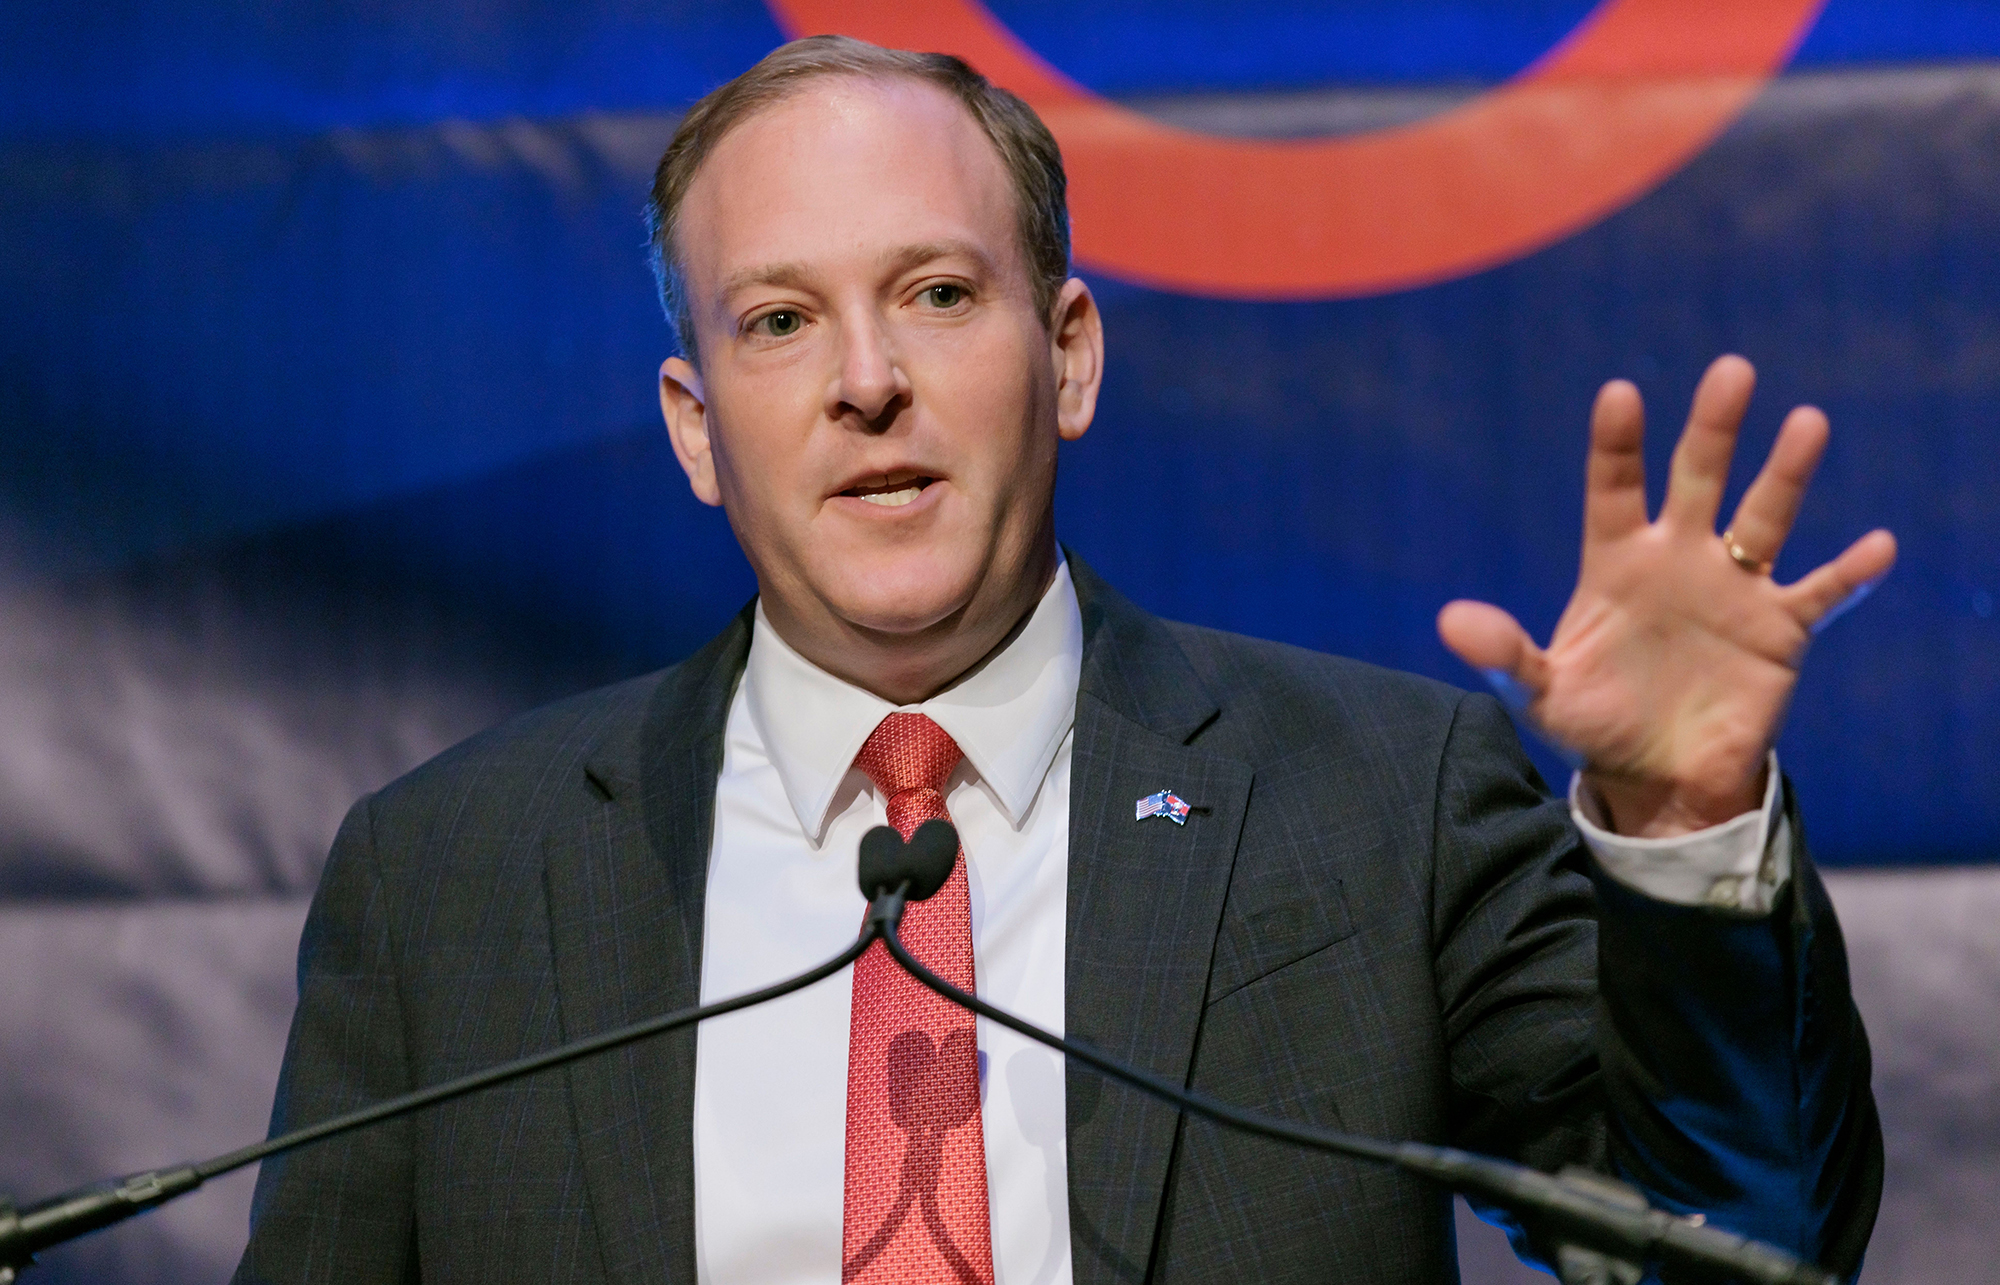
x=1631, y=95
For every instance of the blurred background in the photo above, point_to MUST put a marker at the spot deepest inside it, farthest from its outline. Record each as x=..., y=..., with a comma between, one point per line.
x=328, y=436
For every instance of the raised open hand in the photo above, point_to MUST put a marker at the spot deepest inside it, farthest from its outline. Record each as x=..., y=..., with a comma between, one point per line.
x=1671, y=668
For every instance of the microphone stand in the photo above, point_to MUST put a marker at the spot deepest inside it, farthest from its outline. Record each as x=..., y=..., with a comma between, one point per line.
x=1602, y=1229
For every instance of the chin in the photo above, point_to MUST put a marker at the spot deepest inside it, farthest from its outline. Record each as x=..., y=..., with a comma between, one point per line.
x=903, y=593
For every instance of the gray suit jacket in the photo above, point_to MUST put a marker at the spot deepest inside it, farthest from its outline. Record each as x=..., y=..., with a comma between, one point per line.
x=1376, y=919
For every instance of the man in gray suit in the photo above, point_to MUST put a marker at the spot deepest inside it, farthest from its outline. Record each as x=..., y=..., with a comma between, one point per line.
x=1298, y=883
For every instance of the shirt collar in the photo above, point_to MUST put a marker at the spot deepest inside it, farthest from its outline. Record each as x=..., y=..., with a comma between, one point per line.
x=1009, y=715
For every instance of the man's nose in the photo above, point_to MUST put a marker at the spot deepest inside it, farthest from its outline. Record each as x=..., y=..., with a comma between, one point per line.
x=870, y=385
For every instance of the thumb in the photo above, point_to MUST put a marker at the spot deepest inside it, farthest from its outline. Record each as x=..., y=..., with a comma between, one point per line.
x=1493, y=642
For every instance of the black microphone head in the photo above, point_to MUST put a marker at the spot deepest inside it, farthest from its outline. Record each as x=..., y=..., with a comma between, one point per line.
x=881, y=862
x=925, y=862
x=933, y=852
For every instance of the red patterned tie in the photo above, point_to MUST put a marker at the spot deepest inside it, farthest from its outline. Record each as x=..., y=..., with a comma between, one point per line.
x=916, y=1150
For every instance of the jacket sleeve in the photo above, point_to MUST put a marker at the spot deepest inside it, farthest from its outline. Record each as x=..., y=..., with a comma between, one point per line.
x=340, y=1210
x=1736, y=1069
x=1712, y=1059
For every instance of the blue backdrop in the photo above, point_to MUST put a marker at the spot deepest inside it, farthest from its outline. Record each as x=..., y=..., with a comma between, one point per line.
x=328, y=435
x=338, y=314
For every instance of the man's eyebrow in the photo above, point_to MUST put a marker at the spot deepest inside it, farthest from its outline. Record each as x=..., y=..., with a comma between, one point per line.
x=899, y=260
x=906, y=257
x=769, y=274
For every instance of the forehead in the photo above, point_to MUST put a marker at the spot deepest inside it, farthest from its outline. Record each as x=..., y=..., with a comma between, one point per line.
x=844, y=169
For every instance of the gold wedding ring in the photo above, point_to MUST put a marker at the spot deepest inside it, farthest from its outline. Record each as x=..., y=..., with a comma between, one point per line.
x=1742, y=557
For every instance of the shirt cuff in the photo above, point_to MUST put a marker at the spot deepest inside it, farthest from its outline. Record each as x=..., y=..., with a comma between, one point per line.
x=1740, y=865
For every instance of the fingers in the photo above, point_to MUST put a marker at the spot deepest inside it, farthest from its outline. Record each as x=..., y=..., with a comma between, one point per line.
x=1765, y=515
x=1843, y=582
x=1614, y=491
x=1493, y=642
x=1701, y=459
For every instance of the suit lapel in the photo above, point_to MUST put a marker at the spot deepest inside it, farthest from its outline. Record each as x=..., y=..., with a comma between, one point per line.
x=626, y=888
x=1145, y=902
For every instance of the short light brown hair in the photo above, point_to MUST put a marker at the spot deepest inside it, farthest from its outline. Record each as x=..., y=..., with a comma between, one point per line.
x=1026, y=148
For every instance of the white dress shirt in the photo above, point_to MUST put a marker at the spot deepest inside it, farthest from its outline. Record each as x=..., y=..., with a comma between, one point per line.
x=770, y=1101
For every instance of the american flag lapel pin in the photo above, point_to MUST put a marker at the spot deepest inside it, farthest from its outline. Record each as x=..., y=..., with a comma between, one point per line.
x=1166, y=804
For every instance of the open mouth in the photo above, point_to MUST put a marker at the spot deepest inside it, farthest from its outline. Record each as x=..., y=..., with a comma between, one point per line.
x=890, y=492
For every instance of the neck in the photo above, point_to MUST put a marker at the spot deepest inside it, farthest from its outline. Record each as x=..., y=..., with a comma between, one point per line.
x=908, y=668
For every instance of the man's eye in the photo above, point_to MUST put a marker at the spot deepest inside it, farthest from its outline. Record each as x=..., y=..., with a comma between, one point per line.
x=779, y=324
x=945, y=296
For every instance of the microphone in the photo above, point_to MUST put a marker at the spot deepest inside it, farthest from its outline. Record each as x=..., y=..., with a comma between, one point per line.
x=1602, y=1229
x=915, y=869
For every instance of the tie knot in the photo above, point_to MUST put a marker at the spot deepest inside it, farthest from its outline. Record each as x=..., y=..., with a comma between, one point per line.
x=908, y=752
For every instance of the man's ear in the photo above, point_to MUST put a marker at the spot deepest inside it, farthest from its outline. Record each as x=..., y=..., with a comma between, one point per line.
x=685, y=408
x=1076, y=343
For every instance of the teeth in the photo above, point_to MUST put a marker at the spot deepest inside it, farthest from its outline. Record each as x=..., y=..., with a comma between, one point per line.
x=895, y=499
